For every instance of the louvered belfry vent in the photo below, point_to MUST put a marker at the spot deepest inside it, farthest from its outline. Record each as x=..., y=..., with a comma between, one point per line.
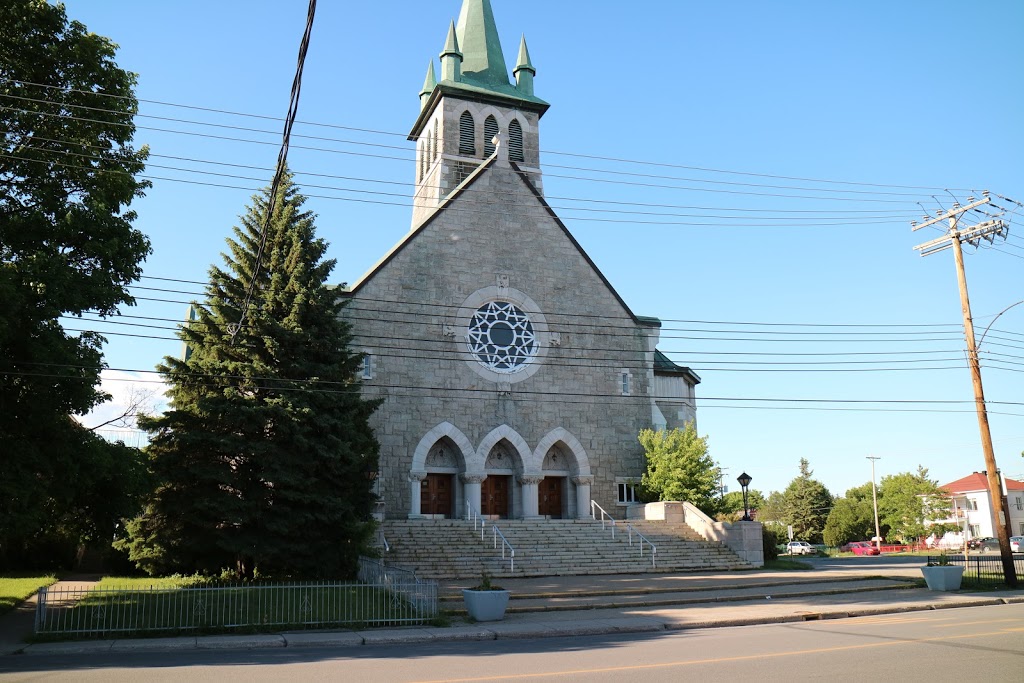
x=490, y=130
x=467, y=139
x=515, y=141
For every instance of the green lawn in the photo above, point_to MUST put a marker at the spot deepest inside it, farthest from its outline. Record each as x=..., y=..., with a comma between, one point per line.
x=166, y=605
x=15, y=588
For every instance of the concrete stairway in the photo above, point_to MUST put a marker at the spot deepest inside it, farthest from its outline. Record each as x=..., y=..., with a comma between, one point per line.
x=449, y=548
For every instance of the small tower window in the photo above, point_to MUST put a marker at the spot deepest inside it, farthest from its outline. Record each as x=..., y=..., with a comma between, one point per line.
x=423, y=158
x=467, y=136
x=515, y=141
x=490, y=130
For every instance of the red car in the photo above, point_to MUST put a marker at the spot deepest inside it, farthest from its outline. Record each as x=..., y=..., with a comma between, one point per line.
x=862, y=548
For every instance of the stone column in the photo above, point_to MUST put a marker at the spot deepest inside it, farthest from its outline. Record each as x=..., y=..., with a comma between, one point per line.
x=531, y=506
x=583, y=496
x=471, y=492
x=415, y=483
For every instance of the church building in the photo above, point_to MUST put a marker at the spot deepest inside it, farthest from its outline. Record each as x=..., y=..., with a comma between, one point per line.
x=514, y=378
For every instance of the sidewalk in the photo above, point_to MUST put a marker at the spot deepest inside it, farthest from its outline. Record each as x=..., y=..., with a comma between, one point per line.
x=17, y=625
x=716, y=600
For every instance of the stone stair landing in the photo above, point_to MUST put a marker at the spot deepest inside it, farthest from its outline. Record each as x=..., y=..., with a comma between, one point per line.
x=449, y=548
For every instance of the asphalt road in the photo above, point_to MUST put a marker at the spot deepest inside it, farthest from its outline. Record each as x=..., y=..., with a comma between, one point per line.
x=968, y=644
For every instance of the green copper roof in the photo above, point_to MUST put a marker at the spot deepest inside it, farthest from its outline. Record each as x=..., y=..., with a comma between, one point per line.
x=482, y=61
x=430, y=81
x=524, y=57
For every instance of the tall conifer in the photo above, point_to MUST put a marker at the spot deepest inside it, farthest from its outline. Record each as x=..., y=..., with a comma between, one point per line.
x=264, y=456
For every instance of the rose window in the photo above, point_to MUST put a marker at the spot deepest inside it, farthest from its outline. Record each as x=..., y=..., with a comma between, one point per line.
x=501, y=337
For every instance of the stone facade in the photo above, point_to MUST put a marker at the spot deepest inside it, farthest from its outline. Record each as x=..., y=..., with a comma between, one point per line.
x=514, y=378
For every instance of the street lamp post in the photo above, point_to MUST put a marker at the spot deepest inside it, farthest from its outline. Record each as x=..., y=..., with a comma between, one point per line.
x=874, y=499
x=744, y=480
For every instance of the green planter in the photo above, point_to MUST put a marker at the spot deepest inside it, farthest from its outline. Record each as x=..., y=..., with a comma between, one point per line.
x=943, y=578
x=485, y=605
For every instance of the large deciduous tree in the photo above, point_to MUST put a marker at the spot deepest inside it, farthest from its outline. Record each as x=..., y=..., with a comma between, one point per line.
x=908, y=500
x=68, y=172
x=806, y=504
x=679, y=467
x=263, y=458
x=852, y=517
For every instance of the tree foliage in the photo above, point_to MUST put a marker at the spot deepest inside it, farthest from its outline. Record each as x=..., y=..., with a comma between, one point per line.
x=852, y=518
x=806, y=505
x=679, y=467
x=67, y=246
x=263, y=458
x=908, y=499
x=730, y=507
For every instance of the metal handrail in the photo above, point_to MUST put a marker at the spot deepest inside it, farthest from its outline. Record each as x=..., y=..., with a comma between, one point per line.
x=505, y=544
x=604, y=514
x=643, y=539
x=630, y=529
x=473, y=516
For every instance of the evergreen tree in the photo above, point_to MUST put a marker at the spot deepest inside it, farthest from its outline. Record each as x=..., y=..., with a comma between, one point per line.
x=263, y=458
x=67, y=246
x=806, y=505
x=679, y=467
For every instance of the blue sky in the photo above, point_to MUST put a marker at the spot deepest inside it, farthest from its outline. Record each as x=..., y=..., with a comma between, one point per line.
x=785, y=148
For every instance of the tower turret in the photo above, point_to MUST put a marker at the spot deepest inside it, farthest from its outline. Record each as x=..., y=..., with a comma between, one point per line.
x=451, y=58
x=524, y=71
x=428, y=85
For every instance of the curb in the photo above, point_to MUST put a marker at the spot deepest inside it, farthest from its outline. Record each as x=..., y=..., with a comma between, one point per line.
x=491, y=631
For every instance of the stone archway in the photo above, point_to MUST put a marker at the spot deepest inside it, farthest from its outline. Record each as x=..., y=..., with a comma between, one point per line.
x=441, y=456
x=564, y=472
x=505, y=480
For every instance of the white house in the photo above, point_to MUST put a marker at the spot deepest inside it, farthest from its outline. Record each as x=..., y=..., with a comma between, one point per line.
x=971, y=502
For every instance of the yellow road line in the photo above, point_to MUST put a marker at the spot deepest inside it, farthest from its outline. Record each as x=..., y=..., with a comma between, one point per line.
x=717, y=660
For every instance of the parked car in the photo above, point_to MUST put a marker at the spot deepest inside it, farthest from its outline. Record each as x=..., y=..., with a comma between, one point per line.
x=800, y=548
x=975, y=543
x=863, y=548
x=991, y=545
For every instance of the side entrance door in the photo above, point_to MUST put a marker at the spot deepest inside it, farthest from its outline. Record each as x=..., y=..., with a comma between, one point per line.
x=550, y=503
x=436, y=495
x=494, y=496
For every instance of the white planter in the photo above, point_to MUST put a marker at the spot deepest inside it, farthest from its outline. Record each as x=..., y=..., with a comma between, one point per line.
x=945, y=578
x=485, y=605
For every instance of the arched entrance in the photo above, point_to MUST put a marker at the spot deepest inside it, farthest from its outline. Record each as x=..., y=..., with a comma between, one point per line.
x=564, y=484
x=496, y=491
x=437, y=491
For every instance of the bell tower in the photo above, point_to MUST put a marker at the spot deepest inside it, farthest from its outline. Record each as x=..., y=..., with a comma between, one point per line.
x=473, y=105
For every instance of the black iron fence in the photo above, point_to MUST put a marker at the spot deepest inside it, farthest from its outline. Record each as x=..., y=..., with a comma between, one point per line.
x=981, y=570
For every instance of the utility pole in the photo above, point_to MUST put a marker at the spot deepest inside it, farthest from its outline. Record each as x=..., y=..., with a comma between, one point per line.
x=874, y=499
x=987, y=230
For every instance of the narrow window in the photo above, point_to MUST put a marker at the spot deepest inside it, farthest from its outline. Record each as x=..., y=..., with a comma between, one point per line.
x=436, y=150
x=626, y=493
x=430, y=153
x=490, y=130
x=467, y=137
x=515, y=141
x=366, y=370
x=423, y=160
x=625, y=382
x=1020, y=503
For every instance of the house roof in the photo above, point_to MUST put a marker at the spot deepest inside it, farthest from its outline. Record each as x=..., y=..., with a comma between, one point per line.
x=979, y=482
x=663, y=365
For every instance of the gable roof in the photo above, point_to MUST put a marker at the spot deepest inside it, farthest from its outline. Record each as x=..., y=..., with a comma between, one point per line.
x=979, y=482
x=455, y=195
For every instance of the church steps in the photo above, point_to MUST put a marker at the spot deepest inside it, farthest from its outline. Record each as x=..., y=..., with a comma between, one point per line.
x=450, y=548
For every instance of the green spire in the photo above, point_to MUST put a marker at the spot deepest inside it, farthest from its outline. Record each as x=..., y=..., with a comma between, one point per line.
x=483, y=62
x=428, y=83
x=451, y=58
x=524, y=71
